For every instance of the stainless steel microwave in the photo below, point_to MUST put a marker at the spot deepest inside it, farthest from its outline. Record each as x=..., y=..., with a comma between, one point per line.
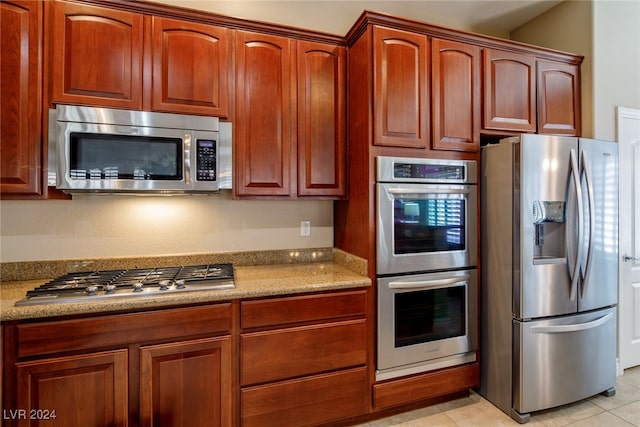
x=104, y=150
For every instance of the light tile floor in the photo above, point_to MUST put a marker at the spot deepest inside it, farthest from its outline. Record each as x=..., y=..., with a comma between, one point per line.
x=621, y=410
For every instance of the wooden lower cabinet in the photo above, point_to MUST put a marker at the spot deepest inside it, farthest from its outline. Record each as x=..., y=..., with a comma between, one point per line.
x=171, y=367
x=186, y=383
x=309, y=401
x=302, y=351
x=301, y=360
x=309, y=368
x=426, y=386
x=74, y=391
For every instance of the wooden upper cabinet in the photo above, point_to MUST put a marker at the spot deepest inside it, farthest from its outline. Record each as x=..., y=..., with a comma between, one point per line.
x=20, y=98
x=509, y=91
x=97, y=383
x=265, y=104
x=191, y=67
x=321, y=77
x=400, y=88
x=455, y=94
x=559, y=109
x=96, y=56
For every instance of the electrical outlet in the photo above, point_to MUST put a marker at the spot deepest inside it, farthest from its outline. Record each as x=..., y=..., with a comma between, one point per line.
x=305, y=228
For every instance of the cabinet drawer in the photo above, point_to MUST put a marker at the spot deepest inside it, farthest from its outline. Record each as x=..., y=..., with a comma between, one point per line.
x=426, y=386
x=288, y=353
x=280, y=311
x=121, y=329
x=306, y=402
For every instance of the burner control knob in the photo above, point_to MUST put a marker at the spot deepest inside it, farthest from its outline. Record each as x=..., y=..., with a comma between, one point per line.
x=180, y=283
x=91, y=290
x=110, y=289
x=164, y=285
x=137, y=287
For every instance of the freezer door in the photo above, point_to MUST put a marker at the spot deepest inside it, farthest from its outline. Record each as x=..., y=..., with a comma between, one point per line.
x=544, y=207
x=563, y=360
x=599, y=265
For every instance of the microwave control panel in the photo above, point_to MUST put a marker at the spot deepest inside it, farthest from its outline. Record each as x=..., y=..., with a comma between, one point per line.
x=206, y=160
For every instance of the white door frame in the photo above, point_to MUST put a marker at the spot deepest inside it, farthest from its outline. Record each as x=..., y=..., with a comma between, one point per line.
x=628, y=132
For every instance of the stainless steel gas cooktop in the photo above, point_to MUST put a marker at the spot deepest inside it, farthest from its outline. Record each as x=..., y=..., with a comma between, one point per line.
x=107, y=284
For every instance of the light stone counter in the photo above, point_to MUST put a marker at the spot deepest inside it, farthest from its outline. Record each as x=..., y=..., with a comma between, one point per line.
x=341, y=271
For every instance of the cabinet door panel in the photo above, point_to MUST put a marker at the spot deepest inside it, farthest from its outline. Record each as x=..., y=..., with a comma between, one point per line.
x=321, y=119
x=558, y=98
x=509, y=91
x=96, y=56
x=310, y=401
x=455, y=82
x=96, y=383
x=302, y=351
x=400, y=88
x=264, y=102
x=20, y=97
x=190, y=67
x=186, y=383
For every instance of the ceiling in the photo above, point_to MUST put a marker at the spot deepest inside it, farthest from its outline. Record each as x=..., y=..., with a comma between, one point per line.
x=492, y=17
x=503, y=15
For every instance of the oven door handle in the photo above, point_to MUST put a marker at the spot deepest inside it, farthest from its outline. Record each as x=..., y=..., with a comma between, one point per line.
x=420, y=284
x=428, y=190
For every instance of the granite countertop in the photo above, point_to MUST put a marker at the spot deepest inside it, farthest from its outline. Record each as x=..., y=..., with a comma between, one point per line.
x=339, y=271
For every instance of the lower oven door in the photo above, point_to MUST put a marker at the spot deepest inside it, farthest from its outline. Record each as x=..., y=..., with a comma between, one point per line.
x=426, y=321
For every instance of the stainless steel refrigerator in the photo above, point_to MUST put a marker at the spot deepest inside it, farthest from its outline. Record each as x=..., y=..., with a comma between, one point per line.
x=549, y=271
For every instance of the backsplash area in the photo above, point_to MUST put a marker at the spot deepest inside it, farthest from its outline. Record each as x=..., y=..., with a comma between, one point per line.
x=130, y=226
x=33, y=270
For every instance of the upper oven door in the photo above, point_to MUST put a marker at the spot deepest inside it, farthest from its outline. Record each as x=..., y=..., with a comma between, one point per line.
x=425, y=227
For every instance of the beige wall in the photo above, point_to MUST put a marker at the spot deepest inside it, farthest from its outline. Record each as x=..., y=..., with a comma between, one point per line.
x=119, y=226
x=337, y=17
x=616, y=53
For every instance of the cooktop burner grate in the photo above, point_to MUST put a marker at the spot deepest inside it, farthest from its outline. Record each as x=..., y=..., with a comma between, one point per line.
x=106, y=284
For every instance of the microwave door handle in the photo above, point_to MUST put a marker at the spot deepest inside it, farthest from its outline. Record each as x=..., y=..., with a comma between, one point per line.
x=426, y=284
x=428, y=191
x=187, y=159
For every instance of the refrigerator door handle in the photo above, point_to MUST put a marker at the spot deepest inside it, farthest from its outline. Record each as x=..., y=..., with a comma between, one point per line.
x=574, y=273
x=590, y=198
x=571, y=328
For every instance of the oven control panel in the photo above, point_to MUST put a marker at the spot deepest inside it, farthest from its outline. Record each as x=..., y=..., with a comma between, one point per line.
x=428, y=171
x=205, y=160
x=420, y=170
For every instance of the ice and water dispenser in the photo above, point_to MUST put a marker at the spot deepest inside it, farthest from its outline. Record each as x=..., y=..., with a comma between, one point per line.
x=549, y=235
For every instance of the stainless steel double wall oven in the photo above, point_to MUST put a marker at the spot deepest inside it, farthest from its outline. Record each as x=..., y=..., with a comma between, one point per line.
x=426, y=264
